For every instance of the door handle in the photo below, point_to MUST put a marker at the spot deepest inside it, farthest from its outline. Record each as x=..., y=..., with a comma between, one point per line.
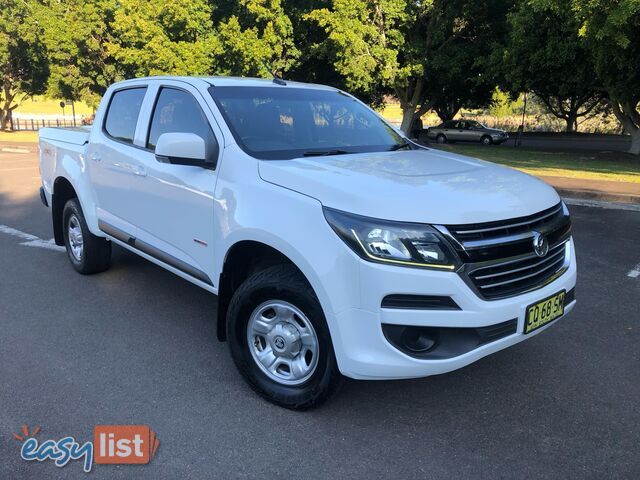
x=95, y=157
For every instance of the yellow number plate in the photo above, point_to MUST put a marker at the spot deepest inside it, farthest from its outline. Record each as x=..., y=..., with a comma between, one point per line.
x=545, y=311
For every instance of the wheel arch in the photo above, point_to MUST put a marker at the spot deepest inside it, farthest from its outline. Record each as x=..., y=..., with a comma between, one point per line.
x=242, y=259
x=63, y=191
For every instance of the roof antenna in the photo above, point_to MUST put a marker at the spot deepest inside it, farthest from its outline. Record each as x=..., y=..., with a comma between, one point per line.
x=277, y=80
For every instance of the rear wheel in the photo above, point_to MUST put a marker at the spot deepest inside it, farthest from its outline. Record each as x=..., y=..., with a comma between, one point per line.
x=280, y=341
x=441, y=138
x=486, y=140
x=88, y=253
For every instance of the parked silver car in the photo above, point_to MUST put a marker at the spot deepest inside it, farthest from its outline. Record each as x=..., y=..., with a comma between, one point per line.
x=466, y=131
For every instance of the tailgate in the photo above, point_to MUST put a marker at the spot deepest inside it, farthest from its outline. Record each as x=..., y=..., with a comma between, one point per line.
x=72, y=135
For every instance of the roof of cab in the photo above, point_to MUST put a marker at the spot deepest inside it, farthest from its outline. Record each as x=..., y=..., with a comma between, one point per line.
x=231, y=82
x=259, y=82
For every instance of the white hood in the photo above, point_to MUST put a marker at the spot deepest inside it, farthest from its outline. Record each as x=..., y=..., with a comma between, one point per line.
x=426, y=186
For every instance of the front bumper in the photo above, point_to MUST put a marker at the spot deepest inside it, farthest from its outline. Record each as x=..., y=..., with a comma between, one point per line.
x=363, y=351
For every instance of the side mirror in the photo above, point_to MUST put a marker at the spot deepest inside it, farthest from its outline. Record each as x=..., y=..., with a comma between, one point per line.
x=181, y=149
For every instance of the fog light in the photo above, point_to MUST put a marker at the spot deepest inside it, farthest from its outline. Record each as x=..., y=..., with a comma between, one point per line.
x=418, y=340
x=412, y=340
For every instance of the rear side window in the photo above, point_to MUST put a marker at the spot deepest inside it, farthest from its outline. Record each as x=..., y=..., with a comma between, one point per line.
x=123, y=112
x=176, y=111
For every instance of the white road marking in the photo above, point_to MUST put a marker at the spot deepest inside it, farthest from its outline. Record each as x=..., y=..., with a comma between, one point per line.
x=634, y=272
x=17, y=233
x=48, y=244
x=31, y=240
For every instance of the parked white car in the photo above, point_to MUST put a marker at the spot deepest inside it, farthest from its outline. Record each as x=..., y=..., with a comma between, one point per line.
x=336, y=246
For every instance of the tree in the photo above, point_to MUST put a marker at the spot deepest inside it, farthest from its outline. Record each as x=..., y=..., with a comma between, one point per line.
x=546, y=56
x=390, y=44
x=156, y=37
x=612, y=32
x=23, y=58
x=257, y=38
x=76, y=34
x=462, y=73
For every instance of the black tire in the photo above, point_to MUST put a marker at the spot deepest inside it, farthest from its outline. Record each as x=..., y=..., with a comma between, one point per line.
x=441, y=138
x=282, y=283
x=95, y=256
x=486, y=140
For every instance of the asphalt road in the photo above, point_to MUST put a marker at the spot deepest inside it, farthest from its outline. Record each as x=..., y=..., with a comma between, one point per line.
x=136, y=345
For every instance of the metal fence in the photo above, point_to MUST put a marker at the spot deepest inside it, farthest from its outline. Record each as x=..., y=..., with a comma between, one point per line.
x=33, y=124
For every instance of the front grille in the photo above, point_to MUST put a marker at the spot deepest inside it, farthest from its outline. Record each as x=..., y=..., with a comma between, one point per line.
x=499, y=260
x=513, y=277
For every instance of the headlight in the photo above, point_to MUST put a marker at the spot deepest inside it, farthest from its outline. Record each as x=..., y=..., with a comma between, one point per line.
x=410, y=244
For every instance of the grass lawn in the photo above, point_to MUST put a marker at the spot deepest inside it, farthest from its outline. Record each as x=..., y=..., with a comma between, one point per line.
x=24, y=137
x=40, y=105
x=613, y=166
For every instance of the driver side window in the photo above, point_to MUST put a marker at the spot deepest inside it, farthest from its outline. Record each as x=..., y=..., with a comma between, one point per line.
x=176, y=111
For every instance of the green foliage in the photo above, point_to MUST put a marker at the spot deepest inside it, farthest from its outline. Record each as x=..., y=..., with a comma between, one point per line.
x=156, y=37
x=612, y=32
x=76, y=33
x=364, y=40
x=461, y=72
x=502, y=105
x=429, y=53
x=545, y=55
x=257, y=39
x=23, y=60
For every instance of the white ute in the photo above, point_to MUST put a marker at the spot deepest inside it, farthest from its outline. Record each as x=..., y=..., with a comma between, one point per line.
x=336, y=246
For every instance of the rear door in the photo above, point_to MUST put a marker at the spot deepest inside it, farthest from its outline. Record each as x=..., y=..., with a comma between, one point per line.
x=111, y=159
x=173, y=205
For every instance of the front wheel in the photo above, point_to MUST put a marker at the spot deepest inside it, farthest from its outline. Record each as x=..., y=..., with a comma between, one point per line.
x=280, y=341
x=486, y=140
x=441, y=138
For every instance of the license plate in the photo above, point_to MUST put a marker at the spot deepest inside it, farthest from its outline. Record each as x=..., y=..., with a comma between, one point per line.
x=545, y=311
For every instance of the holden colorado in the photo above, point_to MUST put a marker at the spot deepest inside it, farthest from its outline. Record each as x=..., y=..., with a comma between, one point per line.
x=336, y=246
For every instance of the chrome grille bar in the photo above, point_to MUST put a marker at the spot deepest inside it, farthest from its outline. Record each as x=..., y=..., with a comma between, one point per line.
x=555, y=210
x=518, y=279
x=499, y=260
x=552, y=256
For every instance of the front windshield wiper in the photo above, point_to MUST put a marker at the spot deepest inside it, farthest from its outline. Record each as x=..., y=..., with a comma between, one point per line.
x=400, y=146
x=324, y=153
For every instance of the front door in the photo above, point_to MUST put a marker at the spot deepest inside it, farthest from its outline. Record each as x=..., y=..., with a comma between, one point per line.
x=173, y=205
x=455, y=131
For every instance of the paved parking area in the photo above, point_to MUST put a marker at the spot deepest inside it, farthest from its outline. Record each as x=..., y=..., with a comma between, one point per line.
x=136, y=345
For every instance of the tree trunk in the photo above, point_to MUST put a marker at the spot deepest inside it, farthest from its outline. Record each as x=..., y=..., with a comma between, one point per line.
x=4, y=120
x=629, y=117
x=571, y=121
x=635, y=142
x=408, y=117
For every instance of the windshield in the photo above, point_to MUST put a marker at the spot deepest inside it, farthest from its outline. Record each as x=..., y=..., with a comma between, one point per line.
x=288, y=122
